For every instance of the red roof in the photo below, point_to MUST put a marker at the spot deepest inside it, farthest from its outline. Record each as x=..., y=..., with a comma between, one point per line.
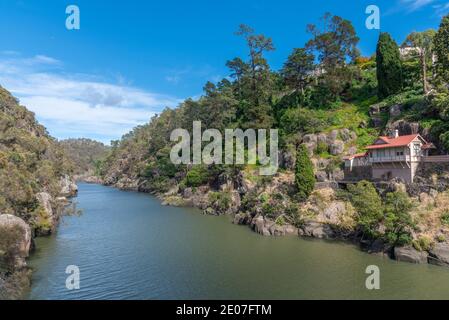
x=355, y=156
x=401, y=141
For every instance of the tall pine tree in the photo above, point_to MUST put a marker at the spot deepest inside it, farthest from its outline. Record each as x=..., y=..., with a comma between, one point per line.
x=389, y=66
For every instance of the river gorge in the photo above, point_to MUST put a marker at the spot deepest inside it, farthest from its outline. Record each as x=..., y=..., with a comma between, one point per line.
x=128, y=246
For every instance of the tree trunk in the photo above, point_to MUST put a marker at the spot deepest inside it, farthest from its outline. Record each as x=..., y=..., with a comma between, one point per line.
x=424, y=71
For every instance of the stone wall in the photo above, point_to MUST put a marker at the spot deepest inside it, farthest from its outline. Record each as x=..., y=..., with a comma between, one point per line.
x=428, y=169
x=358, y=173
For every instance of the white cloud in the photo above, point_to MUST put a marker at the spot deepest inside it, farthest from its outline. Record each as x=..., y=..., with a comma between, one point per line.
x=413, y=5
x=442, y=8
x=78, y=105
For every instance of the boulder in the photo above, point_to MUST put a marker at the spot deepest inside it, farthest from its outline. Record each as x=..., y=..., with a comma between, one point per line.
x=259, y=226
x=321, y=176
x=310, y=138
x=332, y=136
x=316, y=230
x=337, y=148
x=333, y=212
x=241, y=219
x=44, y=200
x=395, y=111
x=409, y=254
x=68, y=187
x=404, y=127
x=16, y=239
x=439, y=254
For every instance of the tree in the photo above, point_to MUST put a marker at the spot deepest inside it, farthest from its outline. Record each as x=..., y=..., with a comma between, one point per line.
x=441, y=49
x=304, y=174
x=238, y=68
x=298, y=68
x=336, y=45
x=423, y=42
x=398, y=220
x=255, y=109
x=368, y=204
x=389, y=66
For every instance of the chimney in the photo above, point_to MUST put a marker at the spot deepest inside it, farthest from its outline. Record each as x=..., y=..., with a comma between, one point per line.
x=396, y=134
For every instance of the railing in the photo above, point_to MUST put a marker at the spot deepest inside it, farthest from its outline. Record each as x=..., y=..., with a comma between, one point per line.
x=436, y=159
x=404, y=158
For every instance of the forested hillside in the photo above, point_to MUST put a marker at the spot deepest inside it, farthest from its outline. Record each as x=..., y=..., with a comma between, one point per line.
x=328, y=99
x=34, y=172
x=85, y=154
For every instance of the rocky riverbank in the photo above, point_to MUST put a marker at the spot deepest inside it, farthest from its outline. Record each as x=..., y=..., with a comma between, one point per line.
x=16, y=238
x=265, y=206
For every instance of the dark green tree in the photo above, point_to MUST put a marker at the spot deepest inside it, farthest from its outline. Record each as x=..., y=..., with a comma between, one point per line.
x=368, y=204
x=257, y=86
x=398, y=220
x=441, y=48
x=335, y=45
x=298, y=68
x=423, y=42
x=304, y=174
x=389, y=66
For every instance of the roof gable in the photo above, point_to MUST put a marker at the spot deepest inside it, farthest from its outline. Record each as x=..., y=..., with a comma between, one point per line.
x=401, y=141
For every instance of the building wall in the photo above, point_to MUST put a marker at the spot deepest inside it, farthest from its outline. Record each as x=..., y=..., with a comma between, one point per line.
x=388, y=171
x=358, y=173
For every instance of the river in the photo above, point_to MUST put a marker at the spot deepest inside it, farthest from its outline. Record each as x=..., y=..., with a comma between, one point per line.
x=128, y=246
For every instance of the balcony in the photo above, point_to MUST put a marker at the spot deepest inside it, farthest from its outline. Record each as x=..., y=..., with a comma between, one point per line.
x=385, y=159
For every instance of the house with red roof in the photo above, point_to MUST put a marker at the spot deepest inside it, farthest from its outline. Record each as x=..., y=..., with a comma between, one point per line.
x=388, y=158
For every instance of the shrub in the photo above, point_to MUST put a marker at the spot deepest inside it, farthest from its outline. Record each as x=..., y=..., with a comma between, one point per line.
x=368, y=205
x=398, y=220
x=197, y=176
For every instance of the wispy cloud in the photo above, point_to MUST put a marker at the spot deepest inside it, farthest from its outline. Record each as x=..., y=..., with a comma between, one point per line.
x=78, y=105
x=413, y=5
x=441, y=8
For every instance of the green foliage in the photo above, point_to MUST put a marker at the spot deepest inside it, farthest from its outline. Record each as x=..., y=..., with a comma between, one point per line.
x=297, y=69
x=441, y=49
x=422, y=244
x=30, y=160
x=389, y=67
x=197, y=176
x=398, y=220
x=368, y=205
x=303, y=120
x=221, y=201
x=9, y=238
x=445, y=219
x=85, y=153
x=304, y=174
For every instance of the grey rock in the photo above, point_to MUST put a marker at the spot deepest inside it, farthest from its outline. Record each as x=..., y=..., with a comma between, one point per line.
x=409, y=254
x=439, y=254
x=395, y=110
x=310, y=138
x=337, y=148
x=21, y=232
x=321, y=176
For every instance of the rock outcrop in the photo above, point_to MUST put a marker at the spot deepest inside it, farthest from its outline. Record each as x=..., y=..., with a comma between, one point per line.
x=409, y=254
x=439, y=255
x=68, y=187
x=15, y=244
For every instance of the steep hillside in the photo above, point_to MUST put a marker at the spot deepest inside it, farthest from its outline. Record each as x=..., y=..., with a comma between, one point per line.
x=85, y=154
x=34, y=172
x=333, y=109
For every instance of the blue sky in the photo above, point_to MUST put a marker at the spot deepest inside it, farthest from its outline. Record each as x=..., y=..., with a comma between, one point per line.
x=132, y=58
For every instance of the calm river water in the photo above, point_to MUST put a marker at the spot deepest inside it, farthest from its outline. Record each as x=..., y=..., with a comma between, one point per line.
x=128, y=246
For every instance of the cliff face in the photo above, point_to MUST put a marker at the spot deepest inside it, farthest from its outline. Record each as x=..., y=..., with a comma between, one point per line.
x=34, y=174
